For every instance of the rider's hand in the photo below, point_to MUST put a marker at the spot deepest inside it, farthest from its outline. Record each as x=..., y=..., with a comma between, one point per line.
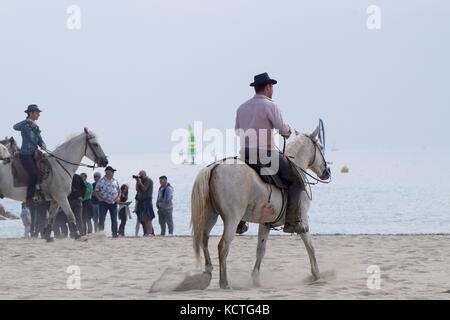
x=288, y=133
x=44, y=147
x=32, y=123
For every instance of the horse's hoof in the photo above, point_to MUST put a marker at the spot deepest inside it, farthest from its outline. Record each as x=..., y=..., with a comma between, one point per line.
x=81, y=238
x=242, y=227
x=225, y=286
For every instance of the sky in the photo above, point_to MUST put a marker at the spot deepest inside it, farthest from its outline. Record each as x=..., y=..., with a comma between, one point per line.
x=137, y=70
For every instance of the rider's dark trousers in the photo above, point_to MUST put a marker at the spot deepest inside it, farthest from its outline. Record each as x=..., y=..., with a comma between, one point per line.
x=290, y=175
x=287, y=173
x=29, y=165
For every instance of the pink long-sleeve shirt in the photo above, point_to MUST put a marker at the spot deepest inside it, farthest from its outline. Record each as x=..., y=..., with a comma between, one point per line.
x=261, y=114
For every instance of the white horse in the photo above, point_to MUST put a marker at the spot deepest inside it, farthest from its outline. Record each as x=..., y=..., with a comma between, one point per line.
x=236, y=192
x=64, y=162
x=7, y=148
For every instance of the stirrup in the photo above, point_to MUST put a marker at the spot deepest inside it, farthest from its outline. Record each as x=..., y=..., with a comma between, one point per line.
x=29, y=203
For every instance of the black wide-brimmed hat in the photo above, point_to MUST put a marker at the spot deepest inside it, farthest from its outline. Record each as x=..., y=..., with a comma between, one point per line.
x=262, y=79
x=32, y=108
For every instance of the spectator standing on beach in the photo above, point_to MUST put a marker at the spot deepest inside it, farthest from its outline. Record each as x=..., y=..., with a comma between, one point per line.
x=107, y=191
x=76, y=201
x=33, y=213
x=61, y=226
x=124, y=209
x=40, y=211
x=165, y=206
x=25, y=215
x=87, y=205
x=138, y=221
x=96, y=203
x=144, y=188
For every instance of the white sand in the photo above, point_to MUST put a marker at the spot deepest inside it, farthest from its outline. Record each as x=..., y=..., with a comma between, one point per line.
x=412, y=266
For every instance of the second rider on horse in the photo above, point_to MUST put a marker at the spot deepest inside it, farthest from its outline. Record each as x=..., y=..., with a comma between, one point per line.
x=31, y=141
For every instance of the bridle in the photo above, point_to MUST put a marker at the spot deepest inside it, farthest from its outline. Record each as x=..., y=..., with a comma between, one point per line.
x=87, y=144
x=304, y=174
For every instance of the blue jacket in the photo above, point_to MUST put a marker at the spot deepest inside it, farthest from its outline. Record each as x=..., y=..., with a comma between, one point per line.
x=165, y=195
x=31, y=137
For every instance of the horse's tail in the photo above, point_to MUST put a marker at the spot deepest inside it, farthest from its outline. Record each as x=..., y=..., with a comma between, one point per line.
x=200, y=202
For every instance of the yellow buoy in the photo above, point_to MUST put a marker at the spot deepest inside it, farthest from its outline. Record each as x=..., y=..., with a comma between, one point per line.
x=345, y=170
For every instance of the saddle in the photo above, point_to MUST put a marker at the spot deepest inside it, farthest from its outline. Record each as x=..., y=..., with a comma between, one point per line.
x=21, y=175
x=272, y=180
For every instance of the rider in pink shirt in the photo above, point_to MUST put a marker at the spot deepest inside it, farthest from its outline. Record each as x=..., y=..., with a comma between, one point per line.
x=255, y=120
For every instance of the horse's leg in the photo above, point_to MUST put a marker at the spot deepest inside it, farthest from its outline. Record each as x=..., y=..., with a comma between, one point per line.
x=65, y=206
x=307, y=239
x=263, y=236
x=209, y=225
x=306, y=236
x=51, y=221
x=230, y=225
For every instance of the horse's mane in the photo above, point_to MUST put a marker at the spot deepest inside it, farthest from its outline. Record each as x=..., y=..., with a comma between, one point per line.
x=71, y=137
x=298, y=142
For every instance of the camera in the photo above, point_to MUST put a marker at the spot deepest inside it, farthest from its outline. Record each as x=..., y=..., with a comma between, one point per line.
x=136, y=177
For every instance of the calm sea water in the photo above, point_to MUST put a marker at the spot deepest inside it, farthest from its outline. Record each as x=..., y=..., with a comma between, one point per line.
x=386, y=191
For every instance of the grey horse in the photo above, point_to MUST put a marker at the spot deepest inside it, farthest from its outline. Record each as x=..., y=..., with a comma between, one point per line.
x=235, y=192
x=64, y=162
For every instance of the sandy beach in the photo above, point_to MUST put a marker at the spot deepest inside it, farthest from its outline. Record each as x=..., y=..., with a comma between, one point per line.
x=412, y=267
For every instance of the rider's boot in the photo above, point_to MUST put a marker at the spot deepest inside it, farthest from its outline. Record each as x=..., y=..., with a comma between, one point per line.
x=1, y=195
x=30, y=203
x=293, y=214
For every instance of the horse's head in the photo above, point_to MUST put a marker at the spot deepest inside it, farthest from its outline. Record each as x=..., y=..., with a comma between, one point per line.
x=317, y=163
x=12, y=146
x=93, y=149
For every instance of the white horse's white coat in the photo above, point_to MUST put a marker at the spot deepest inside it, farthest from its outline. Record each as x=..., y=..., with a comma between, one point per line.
x=57, y=186
x=236, y=192
x=4, y=153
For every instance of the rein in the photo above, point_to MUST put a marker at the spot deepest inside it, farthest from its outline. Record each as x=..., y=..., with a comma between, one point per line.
x=58, y=159
x=303, y=173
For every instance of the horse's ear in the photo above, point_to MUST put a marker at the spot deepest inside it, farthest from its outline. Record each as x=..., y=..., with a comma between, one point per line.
x=86, y=130
x=315, y=133
x=297, y=133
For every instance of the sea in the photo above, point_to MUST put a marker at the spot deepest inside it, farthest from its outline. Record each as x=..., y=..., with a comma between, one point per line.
x=386, y=191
